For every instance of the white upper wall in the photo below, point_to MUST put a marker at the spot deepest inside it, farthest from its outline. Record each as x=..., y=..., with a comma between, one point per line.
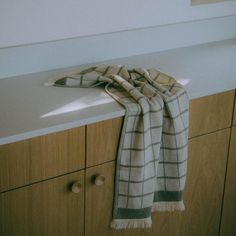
x=26, y=21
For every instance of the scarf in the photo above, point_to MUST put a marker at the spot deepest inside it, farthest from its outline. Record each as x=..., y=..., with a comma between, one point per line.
x=151, y=161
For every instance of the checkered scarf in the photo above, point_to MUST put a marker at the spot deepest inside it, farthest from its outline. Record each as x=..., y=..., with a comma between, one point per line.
x=152, y=154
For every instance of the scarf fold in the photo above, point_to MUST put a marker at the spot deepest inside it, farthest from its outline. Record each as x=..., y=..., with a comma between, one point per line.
x=151, y=161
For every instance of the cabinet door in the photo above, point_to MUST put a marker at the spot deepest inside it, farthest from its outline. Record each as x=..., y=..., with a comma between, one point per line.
x=203, y=195
x=99, y=199
x=46, y=208
x=203, y=192
x=102, y=141
x=228, y=224
x=40, y=158
x=210, y=113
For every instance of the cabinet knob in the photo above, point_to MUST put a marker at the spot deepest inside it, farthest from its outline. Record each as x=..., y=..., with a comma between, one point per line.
x=76, y=187
x=99, y=180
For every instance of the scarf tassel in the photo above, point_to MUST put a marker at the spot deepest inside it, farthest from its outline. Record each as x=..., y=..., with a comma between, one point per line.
x=147, y=223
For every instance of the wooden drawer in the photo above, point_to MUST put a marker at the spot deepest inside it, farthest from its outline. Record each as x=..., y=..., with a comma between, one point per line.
x=43, y=157
x=210, y=113
x=102, y=141
x=46, y=208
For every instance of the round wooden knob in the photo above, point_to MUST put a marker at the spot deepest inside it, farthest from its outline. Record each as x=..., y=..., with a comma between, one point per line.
x=76, y=187
x=99, y=180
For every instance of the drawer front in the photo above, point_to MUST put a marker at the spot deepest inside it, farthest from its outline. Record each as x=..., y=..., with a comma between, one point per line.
x=102, y=141
x=99, y=199
x=203, y=192
x=43, y=157
x=210, y=113
x=47, y=208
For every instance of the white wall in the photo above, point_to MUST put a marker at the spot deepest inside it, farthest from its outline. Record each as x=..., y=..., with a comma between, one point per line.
x=30, y=21
x=92, y=49
x=39, y=35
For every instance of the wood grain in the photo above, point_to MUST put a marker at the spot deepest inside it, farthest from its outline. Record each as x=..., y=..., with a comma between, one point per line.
x=102, y=141
x=47, y=208
x=39, y=158
x=203, y=195
x=210, y=113
x=203, y=192
x=228, y=225
x=99, y=200
x=205, y=180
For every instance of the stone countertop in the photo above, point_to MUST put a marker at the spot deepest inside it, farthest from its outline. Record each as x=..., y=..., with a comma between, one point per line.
x=29, y=109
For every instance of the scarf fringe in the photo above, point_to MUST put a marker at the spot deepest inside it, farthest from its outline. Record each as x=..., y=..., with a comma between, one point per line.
x=131, y=223
x=168, y=206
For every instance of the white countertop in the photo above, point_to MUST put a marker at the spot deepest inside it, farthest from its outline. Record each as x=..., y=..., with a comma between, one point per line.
x=29, y=109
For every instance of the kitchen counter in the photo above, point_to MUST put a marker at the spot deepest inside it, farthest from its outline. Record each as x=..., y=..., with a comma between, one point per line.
x=29, y=109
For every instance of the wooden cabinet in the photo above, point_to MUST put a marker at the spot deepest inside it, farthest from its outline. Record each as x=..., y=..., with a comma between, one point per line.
x=46, y=187
x=39, y=179
x=99, y=199
x=40, y=158
x=203, y=193
x=102, y=141
x=228, y=225
x=210, y=121
x=205, y=183
x=210, y=113
x=46, y=208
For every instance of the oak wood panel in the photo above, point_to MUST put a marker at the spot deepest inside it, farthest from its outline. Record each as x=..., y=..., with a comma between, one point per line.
x=228, y=224
x=99, y=200
x=39, y=158
x=102, y=141
x=46, y=208
x=204, y=185
x=203, y=192
x=210, y=113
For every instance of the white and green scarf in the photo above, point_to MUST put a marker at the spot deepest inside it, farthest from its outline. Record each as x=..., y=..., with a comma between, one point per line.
x=151, y=161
